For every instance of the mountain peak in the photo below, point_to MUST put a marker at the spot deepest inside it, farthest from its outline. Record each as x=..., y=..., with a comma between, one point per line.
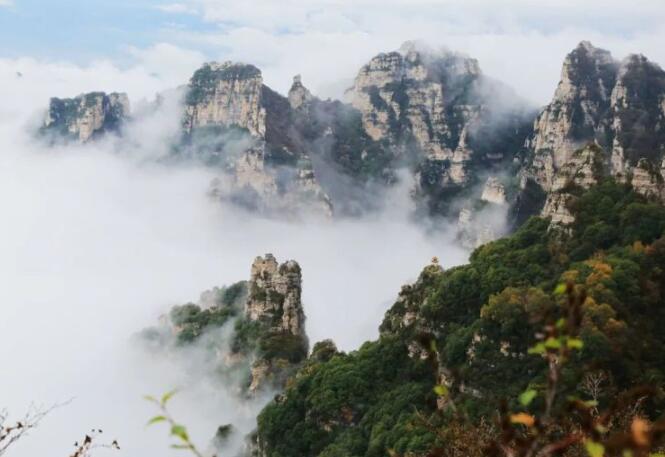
x=232, y=70
x=298, y=94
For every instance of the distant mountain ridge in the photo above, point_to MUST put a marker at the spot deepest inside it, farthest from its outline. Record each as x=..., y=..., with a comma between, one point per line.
x=474, y=147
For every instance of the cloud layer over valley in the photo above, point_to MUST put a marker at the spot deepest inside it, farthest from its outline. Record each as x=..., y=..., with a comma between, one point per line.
x=96, y=243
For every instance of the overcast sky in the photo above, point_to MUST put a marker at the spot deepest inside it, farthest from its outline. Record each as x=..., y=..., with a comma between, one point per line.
x=519, y=41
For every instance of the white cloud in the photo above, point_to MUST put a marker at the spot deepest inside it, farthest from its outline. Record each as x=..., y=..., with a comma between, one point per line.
x=172, y=64
x=6, y=2
x=176, y=8
x=523, y=42
x=95, y=244
x=154, y=69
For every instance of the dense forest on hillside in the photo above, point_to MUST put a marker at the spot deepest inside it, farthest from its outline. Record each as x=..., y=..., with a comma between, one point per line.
x=456, y=344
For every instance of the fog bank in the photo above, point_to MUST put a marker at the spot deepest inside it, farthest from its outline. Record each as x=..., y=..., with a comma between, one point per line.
x=96, y=243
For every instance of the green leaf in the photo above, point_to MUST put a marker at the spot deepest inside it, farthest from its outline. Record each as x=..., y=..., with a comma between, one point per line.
x=560, y=289
x=561, y=323
x=156, y=419
x=594, y=449
x=537, y=349
x=552, y=343
x=527, y=396
x=180, y=431
x=150, y=398
x=181, y=446
x=440, y=390
x=168, y=395
x=575, y=343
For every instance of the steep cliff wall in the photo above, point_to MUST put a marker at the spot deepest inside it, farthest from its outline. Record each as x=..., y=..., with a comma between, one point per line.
x=87, y=116
x=607, y=118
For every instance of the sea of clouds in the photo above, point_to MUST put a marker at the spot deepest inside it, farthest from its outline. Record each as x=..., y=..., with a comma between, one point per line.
x=98, y=241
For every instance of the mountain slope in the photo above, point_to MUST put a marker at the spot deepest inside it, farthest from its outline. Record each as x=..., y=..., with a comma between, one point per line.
x=469, y=328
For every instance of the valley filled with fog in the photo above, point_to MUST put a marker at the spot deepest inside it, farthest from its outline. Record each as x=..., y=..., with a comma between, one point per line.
x=99, y=240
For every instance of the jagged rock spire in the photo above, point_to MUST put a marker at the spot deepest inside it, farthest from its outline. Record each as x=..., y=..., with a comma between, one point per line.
x=299, y=96
x=606, y=119
x=274, y=305
x=275, y=295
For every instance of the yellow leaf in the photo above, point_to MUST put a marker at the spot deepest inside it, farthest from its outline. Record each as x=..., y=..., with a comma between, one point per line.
x=441, y=390
x=575, y=343
x=552, y=343
x=640, y=431
x=594, y=449
x=523, y=418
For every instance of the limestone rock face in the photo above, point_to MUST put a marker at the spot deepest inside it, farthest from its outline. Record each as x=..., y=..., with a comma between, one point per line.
x=84, y=117
x=494, y=192
x=252, y=183
x=578, y=112
x=584, y=168
x=421, y=93
x=275, y=295
x=474, y=230
x=556, y=207
x=299, y=95
x=437, y=112
x=647, y=180
x=607, y=118
x=227, y=94
x=405, y=315
x=275, y=308
x=245, y=128
x=266, y=341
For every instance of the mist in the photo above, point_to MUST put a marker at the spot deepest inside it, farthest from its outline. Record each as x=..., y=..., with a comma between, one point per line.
x=98, y=241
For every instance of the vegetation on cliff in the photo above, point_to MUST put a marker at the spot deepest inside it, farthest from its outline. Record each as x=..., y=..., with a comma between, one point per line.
x=468, y=330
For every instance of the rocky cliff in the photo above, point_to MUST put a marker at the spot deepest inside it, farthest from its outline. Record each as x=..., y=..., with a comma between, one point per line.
x=254, y=329
x=607, y=118
x=415, y=95
x=232, y=119
x=274, y=308
x=439, y=114
x=84, y=117
x=477, y=152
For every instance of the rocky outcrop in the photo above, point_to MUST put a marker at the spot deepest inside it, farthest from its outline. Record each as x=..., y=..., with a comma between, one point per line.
x=252, y=183
x=475, y=228
x=437, y=111
x=648, y=180
x=226, y=94
x=266, y=339
x=577, y=114
x=423, y=93
x=494, y=191
x=275, y=296
x=265, y=166
x=85, y=117
x=607, y=118
x=430, y=112
x=299, y=95
x=557, y=208
x=584, y=168
x=274, y=309
x=405, y=317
